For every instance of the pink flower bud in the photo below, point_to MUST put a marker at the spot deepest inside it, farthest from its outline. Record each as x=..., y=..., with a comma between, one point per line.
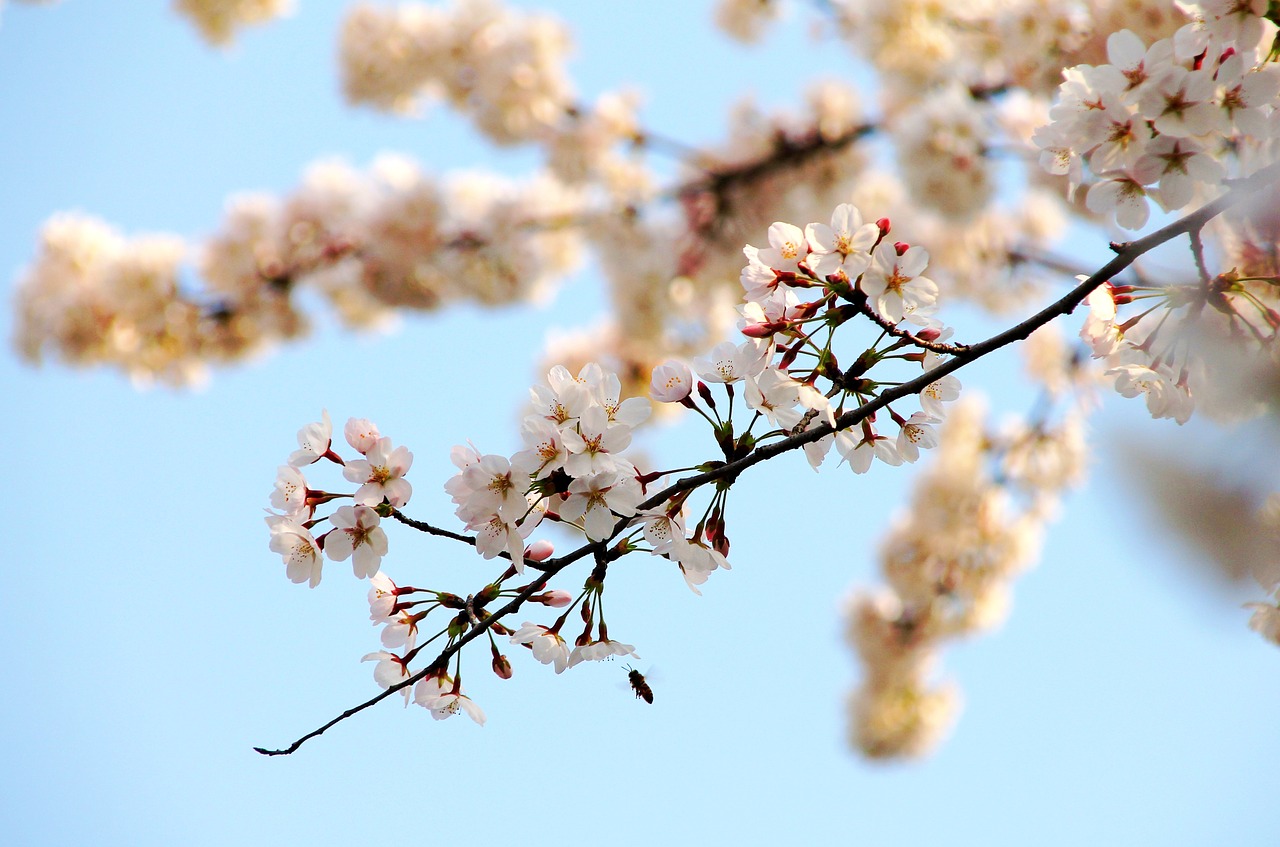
x=901, y=247
x=929, y=333
x=502, y=667
x=539, y=551
x=555, y=598
x=883, y=225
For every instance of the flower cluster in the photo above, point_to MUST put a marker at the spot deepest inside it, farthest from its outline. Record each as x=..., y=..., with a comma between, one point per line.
x=572, y=466
x=502, y=67
x=1156, y=122
x=218, y=20
x=1191, y=341
x=355, y=532
x=948, y=561
x=368, y=243
x=853, y=268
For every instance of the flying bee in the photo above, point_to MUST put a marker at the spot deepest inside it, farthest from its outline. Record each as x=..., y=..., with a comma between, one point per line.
x=641, y=688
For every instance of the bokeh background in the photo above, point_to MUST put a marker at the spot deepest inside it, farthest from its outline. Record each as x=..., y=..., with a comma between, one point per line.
x=150, y=639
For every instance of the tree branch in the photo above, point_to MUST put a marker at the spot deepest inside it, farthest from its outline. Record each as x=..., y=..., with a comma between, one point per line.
x=1126, y=254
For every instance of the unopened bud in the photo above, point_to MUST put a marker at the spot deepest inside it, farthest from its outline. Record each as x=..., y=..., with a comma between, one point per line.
x=502, y=667
x=705, y=393
x=539, y=551
x=557, y=599
x=901, y=247
x=883, y=225
x=929, y=333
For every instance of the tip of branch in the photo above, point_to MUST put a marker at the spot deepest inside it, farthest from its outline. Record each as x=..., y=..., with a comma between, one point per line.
x=1119, y=246
x=264, y=751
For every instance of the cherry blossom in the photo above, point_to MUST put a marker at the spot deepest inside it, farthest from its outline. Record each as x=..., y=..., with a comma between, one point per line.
x=728, y=362
x=894, y=285
x=917, y=432
x=381, y=473
x=314, y=441
x=383, y=596
x=776, y=395
x=296, y=546
x=787, y=248
x=362, y=434
x=444, y=698
x=593, y=446
x=390, y=670
x=671, y=382
x=859, y=448
x=598, y=651
x=596, y=498
x=548, y=647
x=356, y=534
x=291, y=493
x=842, y=248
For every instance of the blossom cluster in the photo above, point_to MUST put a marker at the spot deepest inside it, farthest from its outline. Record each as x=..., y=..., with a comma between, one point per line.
x=355, y=532
x=948, y=560
x=853, y=268
x=1157, y=122
x=368, y=243
x=502, y=67
x=1202, y=340
x=218, y=20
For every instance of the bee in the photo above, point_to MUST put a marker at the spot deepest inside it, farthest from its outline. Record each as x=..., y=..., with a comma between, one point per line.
x=641, y=688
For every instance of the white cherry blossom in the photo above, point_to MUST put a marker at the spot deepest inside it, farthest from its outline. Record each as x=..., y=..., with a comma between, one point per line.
x=671, y=382
x=596, y=498
x=390, y=670
x=290, y=494
x=893, y=283
x=356, y=535
x=787, y=248
x=444, y=699
x=298, y=549
x=314, y=441
x=728, y=362
x=843, y=248
x=917, y=433
x=381, y=473
x=548, y=647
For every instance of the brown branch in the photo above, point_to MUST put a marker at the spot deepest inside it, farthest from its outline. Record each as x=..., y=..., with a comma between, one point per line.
x=1125, y=255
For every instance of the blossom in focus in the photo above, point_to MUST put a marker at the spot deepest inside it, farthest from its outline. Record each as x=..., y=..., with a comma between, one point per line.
x=917, y=432
x=548, y=647
x=361, y=433
x=787, y=248
x=593, y=445
x=356, y=535
x=313, y=442
x=383, y=596
x=844, y=247
x=390, y=670
x=290, y=494
x=594, y=499
x=671, y=382
x=598, y=651
x=728, y=362
x=893, y=283
x=775, y=395
x=296, y=546
x=444, y=699
x=381, y=473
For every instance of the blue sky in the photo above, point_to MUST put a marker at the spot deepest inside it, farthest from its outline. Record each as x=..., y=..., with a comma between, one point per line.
x=150, y=638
